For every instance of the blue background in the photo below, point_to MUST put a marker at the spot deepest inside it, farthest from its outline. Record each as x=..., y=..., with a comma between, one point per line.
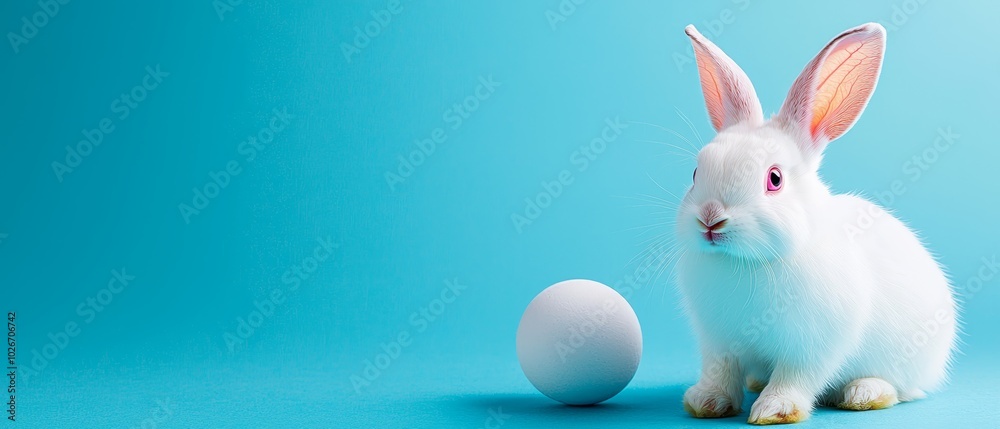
x=162, y=338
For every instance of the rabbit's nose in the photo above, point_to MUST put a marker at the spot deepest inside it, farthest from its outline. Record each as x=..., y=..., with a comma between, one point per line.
x=711, y=213
x=714, y=226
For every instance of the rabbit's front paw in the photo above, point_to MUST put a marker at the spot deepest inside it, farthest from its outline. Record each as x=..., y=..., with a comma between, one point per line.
x=771, y=409
x=705, y=402
x=868, y=394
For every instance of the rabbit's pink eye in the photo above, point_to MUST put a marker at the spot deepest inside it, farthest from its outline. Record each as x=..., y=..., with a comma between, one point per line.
x=774, y=179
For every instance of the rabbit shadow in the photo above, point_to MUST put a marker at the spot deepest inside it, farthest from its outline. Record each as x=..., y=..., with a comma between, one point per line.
x=638, y=407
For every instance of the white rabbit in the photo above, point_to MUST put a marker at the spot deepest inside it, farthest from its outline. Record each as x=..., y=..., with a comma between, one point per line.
x=788, y=293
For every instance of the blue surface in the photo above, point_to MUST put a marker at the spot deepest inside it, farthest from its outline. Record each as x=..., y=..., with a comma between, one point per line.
x=178, y=334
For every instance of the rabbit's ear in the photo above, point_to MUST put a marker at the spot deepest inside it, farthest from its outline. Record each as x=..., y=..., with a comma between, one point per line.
x=729, y=95
x=833, y=90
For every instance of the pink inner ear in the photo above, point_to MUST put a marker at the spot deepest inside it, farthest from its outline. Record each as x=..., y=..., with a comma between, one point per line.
x=710, y=79
x=845, y=82
x=729, y=95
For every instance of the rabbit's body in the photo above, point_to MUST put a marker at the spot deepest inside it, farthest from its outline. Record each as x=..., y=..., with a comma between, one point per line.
x=807, y=296
x=890, y=316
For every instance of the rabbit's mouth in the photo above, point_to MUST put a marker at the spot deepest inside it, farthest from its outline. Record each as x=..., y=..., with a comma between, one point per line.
x=714, y=238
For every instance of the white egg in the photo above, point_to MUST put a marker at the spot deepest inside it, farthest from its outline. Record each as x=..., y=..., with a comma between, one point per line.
x=579, y=342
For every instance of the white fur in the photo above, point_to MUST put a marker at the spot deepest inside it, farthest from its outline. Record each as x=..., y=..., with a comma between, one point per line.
x=801, y=295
